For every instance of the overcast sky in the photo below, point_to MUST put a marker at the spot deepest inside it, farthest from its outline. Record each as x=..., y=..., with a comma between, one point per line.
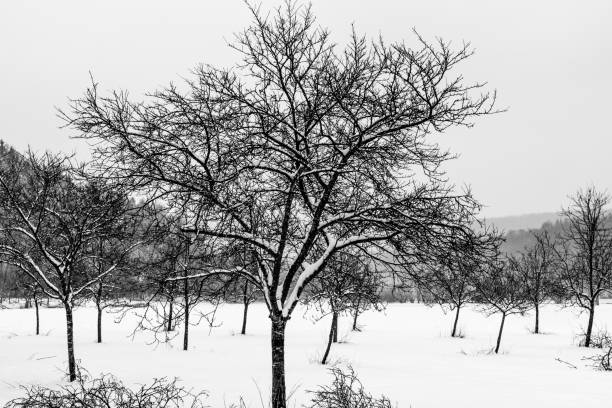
x=550, y=62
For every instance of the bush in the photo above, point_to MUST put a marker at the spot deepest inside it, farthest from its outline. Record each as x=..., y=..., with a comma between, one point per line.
x=601, y=339
x=109, y=392
x=346, y=391
x=602, y=361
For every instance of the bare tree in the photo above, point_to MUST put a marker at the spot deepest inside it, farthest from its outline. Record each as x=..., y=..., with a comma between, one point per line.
x=536, y=266
x=238, y=288
x=371, y=284
x=334, y=290
x=32, y=293
x=47, y=220
x=501, y=290
x=585, y=251
x=300, y=150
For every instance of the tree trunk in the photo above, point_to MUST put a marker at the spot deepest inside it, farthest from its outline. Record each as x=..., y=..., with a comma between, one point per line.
x=335, y=326
x=454, y=332
x=587, y=337
x=37, y=317
x=332, y=333
x=536, y=330
x=70, y=341
x=99, y=306
x=186, y=299
x=170, y=312
x=99, y=323
x=186, y=331
x=245, y=302
x=355, y=315
x=279, y=399
x=244, y=318
x=499, y=336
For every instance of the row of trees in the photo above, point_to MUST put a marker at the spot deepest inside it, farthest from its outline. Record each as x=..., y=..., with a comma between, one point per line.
x=572, y=266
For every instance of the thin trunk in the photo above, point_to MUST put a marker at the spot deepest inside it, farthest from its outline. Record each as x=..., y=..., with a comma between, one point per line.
x=170, y=312
x=499, y=336
x=186, y=306
x=332, y=332
x=587, y=339
x=356, y=314
x=37, y=316
x=536, y=330
x=99, y=323
x=245, y=302
x=335, y=326
x=244, y=318
x=70, y=341
x=279, y=399
x=99, y=306
x=454, y=333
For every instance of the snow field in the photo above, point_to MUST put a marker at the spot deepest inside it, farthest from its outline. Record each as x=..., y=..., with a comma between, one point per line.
x=405, y=353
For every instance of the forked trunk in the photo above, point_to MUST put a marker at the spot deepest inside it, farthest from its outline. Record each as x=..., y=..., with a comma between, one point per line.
x=454, y=332
x=499, y=336
x=332, y=334
x=279, y=399
x=70, y=341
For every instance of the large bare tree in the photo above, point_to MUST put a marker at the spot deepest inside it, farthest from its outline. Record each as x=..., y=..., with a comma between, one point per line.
x=302, y=149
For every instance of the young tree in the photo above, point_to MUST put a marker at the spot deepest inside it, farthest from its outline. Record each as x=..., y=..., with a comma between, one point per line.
x=32, y=293
x=448, y=280
x=299, y=151
x=109, y=250
x=536, y=267
x=585, y=253
x=501, y=290
x=238, y=288
x=333, y=292
x=48, y=219
x=371, y=284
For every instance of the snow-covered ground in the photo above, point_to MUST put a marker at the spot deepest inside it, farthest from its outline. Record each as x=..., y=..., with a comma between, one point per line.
x=405, y=353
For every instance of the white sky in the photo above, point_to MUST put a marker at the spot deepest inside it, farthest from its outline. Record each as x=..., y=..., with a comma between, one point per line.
x=550, y=62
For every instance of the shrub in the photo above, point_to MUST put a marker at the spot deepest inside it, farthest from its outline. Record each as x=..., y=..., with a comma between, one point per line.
x=603, y=361
x=346, y=391
x=109, y=392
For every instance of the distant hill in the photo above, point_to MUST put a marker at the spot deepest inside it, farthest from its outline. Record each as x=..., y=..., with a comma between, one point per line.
x=523, y=222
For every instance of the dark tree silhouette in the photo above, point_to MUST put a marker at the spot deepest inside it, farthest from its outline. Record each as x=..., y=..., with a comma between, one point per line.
x=300, y=150
x=585, y=252
x=48, y=218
